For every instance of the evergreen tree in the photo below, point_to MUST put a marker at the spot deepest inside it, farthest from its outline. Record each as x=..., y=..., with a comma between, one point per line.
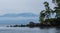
x=45, y=13
x=57, y=8
x=42, y=16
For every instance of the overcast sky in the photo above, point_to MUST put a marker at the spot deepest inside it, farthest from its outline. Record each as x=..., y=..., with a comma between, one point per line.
x=13, y=7
x=22, y=6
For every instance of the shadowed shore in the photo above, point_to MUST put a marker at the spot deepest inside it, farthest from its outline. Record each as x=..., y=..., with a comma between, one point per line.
x=51, y=23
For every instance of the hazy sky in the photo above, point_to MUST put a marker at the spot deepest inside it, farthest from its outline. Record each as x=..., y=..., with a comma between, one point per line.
x=22, y=6
x=13, y=7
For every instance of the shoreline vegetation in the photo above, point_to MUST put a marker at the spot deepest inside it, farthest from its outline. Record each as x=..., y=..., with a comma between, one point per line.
x=45, y=18
x=53, y=23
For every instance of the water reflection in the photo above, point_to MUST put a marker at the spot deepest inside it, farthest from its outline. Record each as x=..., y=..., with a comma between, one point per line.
x=50, y=30
x=43, y=30
x=29, y=30
x=58, y=30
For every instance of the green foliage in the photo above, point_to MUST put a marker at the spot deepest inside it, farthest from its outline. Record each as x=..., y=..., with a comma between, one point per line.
x=45, y=13
x=42, y=15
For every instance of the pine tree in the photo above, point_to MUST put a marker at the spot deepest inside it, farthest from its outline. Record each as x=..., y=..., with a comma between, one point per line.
x=57, y=8
x=45, y=13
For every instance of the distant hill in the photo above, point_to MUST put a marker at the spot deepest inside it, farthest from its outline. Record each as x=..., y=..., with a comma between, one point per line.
x=11, y=18
x=21, y=15
x=26, y=21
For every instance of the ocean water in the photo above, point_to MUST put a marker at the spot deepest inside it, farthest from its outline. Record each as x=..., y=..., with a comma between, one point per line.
x=28, y=30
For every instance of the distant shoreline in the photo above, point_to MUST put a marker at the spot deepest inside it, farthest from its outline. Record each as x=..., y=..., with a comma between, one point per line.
x=32, y=24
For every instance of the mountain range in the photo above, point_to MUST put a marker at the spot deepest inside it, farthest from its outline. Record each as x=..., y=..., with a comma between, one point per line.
x=12, y=18
x=21, y=15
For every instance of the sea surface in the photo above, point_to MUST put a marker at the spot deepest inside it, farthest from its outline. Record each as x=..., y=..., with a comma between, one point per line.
x=28, y=30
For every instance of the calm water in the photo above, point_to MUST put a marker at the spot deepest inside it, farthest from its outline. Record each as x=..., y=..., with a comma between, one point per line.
x=28, y=30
